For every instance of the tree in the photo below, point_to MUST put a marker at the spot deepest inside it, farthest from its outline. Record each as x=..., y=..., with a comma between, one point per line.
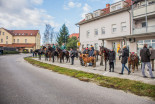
x=62, y=36
x=48, y=34
x=72, y=43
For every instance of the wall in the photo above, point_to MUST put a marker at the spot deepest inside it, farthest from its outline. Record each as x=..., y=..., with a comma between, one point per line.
x=38, y=41
x=107, y=23
x=9, y=40
x=30, y=39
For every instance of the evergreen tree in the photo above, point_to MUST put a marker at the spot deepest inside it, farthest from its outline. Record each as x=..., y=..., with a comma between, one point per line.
x=62, y=36
x=72, y=43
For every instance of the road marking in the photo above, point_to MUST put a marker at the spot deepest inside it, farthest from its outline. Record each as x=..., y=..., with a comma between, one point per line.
x=105, y=73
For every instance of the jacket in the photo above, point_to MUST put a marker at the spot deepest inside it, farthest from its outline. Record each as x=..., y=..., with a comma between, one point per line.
x=111, y=56
x=72, y=54
x=63, y=47
x=125, y=55
x=152, y=54
x=145, y=55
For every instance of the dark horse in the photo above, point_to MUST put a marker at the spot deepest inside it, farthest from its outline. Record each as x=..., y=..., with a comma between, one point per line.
x=52, y=53
x=40, y=52
x=104, y=55
x=62, y=54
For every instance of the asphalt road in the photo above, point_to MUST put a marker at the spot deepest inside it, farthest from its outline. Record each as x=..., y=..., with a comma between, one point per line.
x=22, y=83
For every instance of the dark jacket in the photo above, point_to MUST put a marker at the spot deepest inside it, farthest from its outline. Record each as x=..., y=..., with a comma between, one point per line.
x=91, y=53
x=152, y=54
x=111, y=56
x=145, y=55
x=72, y=54
x=125, y=55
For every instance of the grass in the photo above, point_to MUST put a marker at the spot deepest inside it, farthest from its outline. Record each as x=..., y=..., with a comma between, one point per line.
x=135, y=87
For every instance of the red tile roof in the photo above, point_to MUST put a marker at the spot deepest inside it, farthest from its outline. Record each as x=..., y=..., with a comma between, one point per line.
x=74, y=34
x=22, y=32
x=24, y=45
x=107, y=10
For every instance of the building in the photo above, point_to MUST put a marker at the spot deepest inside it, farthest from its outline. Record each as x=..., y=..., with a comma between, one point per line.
x=120, y=24
x=106, y=27
x=143, y=17
x=74, y=35
x=20, y=39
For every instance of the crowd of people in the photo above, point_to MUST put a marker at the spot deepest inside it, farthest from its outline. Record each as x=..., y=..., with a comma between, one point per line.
x=146, y=55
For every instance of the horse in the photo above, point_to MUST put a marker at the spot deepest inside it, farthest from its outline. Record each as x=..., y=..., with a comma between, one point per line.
x=95, y=54
x=52, y=53
x=40, y=52
x=62, y=54
x=104, y=55
x=87, y=59
x=134, y=61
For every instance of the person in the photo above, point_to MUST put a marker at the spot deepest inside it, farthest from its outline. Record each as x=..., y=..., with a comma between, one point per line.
x=56, y=45
x=125, y=55
x=92, y=47
x=53, y=46
x=90, y=54
x=145, y=59
x=72, y=55
x=152, y=57
x=111, y=60
x=63, y=47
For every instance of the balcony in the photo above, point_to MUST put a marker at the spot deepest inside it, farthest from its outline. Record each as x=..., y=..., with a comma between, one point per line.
x=150, y=29
x=140, y=12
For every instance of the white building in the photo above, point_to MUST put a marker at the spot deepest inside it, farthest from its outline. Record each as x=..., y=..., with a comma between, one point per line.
x=106, y=27
x=112, y=27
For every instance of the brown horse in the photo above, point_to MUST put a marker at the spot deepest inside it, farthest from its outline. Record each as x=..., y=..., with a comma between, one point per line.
x=62, y=54
x=87, y=59
x=134, y=61
x=104, y=55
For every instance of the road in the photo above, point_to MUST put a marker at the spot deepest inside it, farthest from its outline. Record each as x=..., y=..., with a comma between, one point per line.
x=23, y=83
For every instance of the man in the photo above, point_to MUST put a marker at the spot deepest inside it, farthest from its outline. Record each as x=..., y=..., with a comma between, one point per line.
x=152, y=57
x=90, y=54
x=111, y=60
x=92, y=47
x=63, y=47
x=125, y=55
x=145, y=59
x=72, y=55
x=53, y=46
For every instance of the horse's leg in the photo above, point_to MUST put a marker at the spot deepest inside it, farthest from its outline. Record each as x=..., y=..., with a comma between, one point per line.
x=53, y=58
x=105, y=65
x=97, y=57
x=101, y=63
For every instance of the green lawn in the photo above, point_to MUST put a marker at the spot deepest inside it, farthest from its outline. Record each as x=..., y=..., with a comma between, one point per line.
x=136, y=87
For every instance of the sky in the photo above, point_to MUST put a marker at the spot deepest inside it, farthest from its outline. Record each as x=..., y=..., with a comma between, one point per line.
x=34, y=14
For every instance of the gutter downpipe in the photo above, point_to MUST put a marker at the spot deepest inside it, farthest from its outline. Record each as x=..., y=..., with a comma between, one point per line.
x=146, y=16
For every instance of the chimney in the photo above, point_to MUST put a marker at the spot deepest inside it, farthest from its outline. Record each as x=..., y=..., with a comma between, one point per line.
x=107, y=5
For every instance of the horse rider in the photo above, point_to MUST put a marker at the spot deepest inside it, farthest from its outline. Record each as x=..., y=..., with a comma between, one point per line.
x=111, y=55
x=53, y=46
x=63, y=47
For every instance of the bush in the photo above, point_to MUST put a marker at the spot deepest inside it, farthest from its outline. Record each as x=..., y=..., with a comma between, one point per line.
x=10, y=52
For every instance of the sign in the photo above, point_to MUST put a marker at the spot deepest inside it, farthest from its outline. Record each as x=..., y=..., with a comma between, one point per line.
x=78, y=44
x=118, y=47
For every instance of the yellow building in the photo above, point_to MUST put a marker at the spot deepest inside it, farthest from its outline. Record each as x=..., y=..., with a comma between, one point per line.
x=20, y=39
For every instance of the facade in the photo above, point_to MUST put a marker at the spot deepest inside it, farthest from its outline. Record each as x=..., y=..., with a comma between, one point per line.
x=120, y=24
x=143, y=24
x=106, y=27
x=20, y=39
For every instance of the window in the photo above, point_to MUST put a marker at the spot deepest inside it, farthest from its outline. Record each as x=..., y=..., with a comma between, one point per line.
x=31, y=33
x=114, y=29
x=103, y=30
x=25, y=40
x=143, y=24
x=96, y=32
x=96, y=46
x=1, y=40
x=87, y=34
x=3, y=33
x=14, y=40
x=17, y=40
x=123, y=26
x=6, y=42
x=6, y=37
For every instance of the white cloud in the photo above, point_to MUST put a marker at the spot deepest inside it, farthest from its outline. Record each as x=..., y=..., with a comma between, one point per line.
x=37, y=2
x=72, y=5
x=86, y=9
x=22, y=14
